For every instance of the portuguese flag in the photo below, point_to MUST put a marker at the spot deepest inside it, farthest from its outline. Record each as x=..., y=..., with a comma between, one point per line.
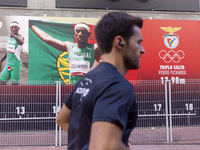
x=47, y=64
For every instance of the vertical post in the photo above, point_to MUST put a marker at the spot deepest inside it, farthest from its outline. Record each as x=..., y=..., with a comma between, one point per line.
x=56, y=128
x=166, y=110
x=59, y=107
x=170, y=112
x=188, y=119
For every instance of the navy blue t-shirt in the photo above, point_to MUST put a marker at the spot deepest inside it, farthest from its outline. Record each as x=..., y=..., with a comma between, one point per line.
x=103, y=94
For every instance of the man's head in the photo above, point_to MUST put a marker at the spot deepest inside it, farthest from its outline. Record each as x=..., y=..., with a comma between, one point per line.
x=123, y=32
x=82, y=33
x=14, y=27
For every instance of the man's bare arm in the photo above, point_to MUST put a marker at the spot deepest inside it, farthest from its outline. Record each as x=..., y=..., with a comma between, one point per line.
x=59, y=45
x=63, y=118
x=20, y=39
x=106, y=136
x=97, y=57
x=3, y=58
x=97, y=52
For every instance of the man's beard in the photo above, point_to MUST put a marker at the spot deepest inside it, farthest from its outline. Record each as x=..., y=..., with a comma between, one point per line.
x=130, y=64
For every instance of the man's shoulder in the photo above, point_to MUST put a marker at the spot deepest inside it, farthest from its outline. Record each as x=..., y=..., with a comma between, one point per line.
x=108, y=74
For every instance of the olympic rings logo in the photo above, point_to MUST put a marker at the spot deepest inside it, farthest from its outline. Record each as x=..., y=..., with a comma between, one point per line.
x=171, y=56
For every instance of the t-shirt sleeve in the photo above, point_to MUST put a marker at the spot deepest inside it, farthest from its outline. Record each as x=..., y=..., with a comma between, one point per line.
x=113, y=104
x=68, y=101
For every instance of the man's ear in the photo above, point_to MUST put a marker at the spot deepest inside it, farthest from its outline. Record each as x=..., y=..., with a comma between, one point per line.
x=119, y=42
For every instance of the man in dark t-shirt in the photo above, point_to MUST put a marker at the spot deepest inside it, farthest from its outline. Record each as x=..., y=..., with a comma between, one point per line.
x=101, y=111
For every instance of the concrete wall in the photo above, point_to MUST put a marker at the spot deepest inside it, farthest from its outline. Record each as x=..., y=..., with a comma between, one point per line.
x=48, y=8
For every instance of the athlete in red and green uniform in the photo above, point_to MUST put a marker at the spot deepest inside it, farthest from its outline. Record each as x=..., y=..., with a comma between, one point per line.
x=12, y=69
x=82, y=55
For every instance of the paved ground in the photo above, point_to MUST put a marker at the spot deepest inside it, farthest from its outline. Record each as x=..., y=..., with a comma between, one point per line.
x=133, y=147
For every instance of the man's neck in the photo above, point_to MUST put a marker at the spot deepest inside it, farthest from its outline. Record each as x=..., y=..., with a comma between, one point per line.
x=82, y=45
x=115, y=61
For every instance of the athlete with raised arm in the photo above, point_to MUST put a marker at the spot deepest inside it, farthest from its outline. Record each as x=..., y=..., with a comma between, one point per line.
x=12, y=69
x=82, y=56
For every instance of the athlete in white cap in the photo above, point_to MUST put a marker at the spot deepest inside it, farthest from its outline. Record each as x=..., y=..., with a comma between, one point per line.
x=83, y=56
x=12, y=69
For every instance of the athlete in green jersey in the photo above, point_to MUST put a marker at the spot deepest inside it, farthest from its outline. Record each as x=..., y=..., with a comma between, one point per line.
x=80, y=60
x=82, y=55
x=12, y=69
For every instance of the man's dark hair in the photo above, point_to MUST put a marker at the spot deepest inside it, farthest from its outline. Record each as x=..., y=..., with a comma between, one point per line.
x=112, y=25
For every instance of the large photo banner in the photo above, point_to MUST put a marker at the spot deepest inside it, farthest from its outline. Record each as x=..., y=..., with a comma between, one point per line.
x=51, y=49
x=172, y=50
x=60, y=52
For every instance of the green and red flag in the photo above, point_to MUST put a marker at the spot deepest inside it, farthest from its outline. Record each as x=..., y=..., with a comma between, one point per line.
x=47, y=64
